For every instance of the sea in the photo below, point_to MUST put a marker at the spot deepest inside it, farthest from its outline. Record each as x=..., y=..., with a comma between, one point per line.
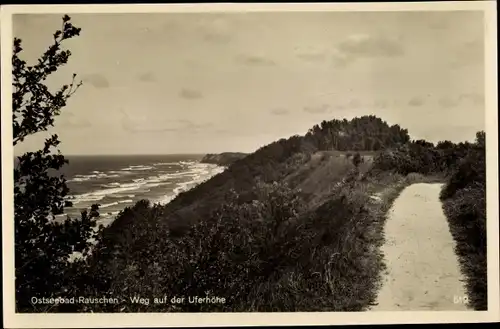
x=116, y=182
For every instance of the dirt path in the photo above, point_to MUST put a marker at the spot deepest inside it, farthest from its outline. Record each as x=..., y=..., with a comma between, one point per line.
x=422, y=269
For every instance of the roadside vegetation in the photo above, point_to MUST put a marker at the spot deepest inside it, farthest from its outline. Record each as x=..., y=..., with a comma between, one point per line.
x=463, y=169
x=464, y=203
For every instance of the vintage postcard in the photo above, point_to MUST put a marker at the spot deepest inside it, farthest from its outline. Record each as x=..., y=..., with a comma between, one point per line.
x=249, y=164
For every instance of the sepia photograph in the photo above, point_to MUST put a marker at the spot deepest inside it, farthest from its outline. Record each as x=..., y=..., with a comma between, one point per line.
x=251, y=160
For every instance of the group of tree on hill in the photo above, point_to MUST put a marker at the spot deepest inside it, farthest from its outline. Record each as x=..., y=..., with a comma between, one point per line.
x=423, y=157
x=365, y=133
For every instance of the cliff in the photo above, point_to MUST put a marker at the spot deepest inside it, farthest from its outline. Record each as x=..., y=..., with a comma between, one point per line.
x=223, y=159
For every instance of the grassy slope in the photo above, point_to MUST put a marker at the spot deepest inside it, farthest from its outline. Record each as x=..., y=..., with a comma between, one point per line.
x=328, y=260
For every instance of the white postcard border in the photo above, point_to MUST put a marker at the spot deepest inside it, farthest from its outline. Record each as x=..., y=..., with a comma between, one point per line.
x=225, y=319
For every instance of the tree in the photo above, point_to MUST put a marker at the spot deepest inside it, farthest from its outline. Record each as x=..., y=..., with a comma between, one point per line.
x=481, y=139
x=42, y=244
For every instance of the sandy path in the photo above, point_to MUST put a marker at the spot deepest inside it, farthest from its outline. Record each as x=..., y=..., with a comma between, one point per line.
x=422, y=268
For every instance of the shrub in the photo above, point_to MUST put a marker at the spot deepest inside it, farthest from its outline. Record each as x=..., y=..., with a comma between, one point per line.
x=263, y=251
x=464, y=203
x=415, y=177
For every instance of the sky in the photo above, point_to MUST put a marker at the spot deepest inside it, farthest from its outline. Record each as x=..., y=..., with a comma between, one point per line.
x=170, y=83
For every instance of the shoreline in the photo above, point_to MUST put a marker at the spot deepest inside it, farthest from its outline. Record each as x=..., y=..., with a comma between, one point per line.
x=202, y=172
x=109, y=218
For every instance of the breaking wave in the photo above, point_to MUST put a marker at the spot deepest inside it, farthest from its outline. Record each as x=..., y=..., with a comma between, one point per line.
x=193, y=174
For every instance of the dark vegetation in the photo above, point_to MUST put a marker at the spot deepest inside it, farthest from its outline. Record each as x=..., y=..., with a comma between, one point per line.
x=42, y=246
x=223, y=159
x=290, y=227
x=270, y=253
x=359, y=134
x=463, y=197
x=464, y=203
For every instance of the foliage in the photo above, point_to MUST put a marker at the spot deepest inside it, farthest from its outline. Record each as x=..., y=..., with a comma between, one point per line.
x=269, y=253
x=363, y=133
x=464, y=202
x=463, y=197
x=422, y=157
x=42, y=244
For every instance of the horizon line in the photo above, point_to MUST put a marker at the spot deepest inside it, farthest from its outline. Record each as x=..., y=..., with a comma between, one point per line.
x=127, y=154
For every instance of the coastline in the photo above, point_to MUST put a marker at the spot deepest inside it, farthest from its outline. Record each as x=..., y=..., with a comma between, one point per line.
x=128, y=192
x=106, y=219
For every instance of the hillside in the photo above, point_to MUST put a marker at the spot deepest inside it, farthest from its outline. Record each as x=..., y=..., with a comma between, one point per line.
x=290, y=227
x=223, y=159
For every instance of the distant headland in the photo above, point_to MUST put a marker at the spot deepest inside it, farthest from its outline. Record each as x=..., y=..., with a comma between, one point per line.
x=223, y=159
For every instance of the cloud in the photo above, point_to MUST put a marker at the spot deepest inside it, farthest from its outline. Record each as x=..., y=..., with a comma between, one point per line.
x=448, y=102
x=340, y=59
x=97, y=80
x=353, y=104
x=214, y=29
x=192, y=64
x=365, y=46
x=416, y=101
x=190, y=94
x=469, y=53
x=316, y=109
x=476, y=99
x=255, y=60
x=190, y=125
x=69, y=120
x=437, y=24
x=381, y=103
x=217, y=37
x=223, y=131
x=462, y=99
x=312, y=55
x=280, y=111
x=148, y=125
x=147, y=77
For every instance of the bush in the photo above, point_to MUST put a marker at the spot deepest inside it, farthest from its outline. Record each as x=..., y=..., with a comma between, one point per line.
x=424, y=158
x=415, y=177
x=464, y=203
x=264, y=251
